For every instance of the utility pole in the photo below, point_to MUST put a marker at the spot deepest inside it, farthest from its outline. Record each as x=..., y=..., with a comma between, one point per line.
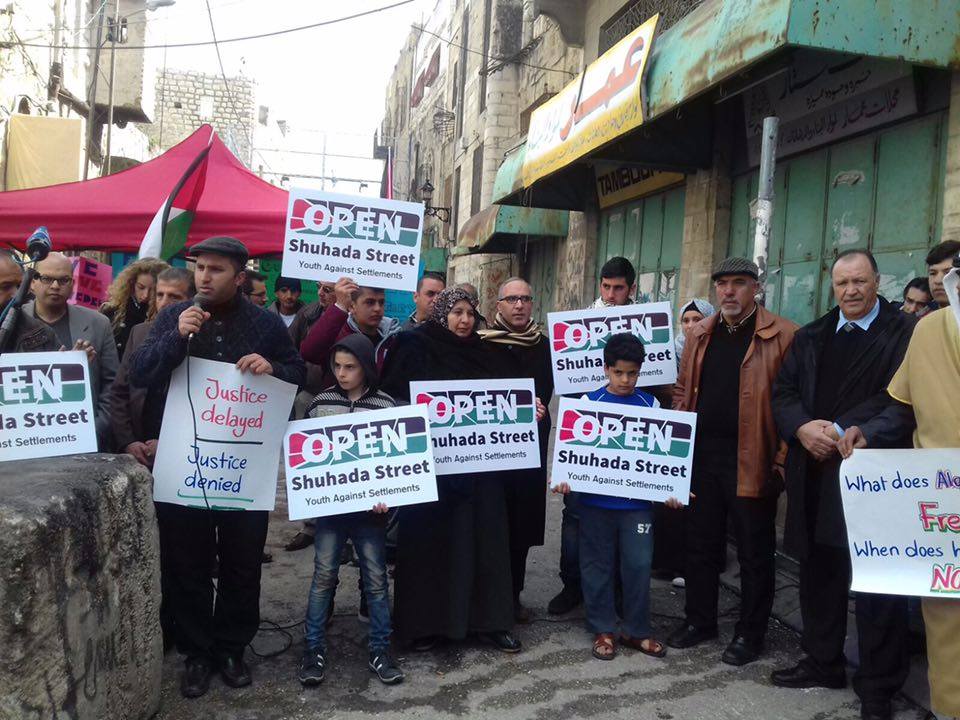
x=113, y=70
x=764, y=206
x=92, y=100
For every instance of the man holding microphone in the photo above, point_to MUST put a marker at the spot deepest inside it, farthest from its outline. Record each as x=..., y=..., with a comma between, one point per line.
x=218, y=325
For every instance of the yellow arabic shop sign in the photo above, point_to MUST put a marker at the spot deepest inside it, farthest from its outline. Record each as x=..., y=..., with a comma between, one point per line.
x=602, y=103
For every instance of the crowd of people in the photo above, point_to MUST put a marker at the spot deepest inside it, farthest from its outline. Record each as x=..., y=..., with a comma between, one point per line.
x=778, y=406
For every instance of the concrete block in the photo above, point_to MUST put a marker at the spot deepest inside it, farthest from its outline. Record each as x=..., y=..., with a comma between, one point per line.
x=80, y=590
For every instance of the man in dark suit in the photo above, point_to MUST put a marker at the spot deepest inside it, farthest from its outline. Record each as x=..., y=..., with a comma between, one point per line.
x=79, y=328
x=834, y=377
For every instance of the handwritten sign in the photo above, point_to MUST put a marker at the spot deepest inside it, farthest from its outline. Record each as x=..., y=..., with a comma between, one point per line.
x=481, y=425
x=349, y=463
x=372, y=240
x=46, y=406
x=221, y=450
x=600, y=104
x=902, y=509
x=577, y=339
x=623, y=450
x=91, y=279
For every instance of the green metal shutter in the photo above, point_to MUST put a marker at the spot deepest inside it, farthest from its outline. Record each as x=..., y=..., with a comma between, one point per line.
x=881, y=191
x=649, y=233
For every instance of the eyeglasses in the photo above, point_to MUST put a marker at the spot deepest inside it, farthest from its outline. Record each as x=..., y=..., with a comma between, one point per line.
x=514, y=299
x=49, y=280
x=324, y=289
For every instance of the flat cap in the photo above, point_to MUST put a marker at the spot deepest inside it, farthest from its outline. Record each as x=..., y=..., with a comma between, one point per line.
x=736, y=266
x=222, y=245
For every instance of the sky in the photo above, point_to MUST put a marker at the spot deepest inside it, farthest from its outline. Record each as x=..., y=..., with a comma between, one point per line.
x=328, y=81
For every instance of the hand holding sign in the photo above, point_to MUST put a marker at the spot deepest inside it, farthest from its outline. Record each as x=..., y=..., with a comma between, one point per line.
x=254, y=363
x=344, y=290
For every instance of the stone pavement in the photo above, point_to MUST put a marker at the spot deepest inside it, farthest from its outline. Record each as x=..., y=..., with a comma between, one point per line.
x=554, y=678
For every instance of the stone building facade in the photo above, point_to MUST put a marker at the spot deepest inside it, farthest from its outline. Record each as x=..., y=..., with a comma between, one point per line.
x=186, y=99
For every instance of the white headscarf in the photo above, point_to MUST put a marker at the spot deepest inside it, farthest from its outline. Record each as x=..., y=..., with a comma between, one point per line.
x=950, y=282
x=702, y=307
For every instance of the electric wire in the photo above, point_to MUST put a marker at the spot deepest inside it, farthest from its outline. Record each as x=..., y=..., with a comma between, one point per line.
x=203, y=43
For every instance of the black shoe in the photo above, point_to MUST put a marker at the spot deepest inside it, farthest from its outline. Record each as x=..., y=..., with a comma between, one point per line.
x=741, y=651
x=803, y=675
x=266, y=558
x=195, y=680
x=504, y=641
x=875, y=710
x=234, y=671
x=299, y=541
x=312, y=667
x=385, y=668
x=688, y=636
x=566, y=600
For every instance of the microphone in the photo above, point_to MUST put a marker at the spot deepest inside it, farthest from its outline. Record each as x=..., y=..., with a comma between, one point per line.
x=38, y=244
x=198, y=302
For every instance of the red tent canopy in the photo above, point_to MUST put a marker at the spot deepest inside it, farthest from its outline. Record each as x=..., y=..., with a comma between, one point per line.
x=114, y=212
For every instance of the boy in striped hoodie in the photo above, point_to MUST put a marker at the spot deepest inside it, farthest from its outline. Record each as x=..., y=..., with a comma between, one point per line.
x=356, y=389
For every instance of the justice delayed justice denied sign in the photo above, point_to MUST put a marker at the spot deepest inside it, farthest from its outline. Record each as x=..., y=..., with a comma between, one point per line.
x=46, y=407
x=349, y=463
x=230, y=461
x=622, y=450
x=577, y=339
x=902, y=509
x=481, y=425
x=374, y=241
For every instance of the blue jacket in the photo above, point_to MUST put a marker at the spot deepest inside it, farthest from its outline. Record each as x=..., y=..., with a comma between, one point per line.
x=611, y=502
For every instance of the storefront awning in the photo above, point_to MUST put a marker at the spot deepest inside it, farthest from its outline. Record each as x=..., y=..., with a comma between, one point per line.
x=714, y=46
x=501, y=222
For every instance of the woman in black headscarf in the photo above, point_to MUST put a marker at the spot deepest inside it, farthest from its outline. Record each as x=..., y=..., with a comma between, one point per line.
x=453, y=557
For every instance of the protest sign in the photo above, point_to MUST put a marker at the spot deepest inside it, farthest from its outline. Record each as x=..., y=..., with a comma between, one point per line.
x=46, y=406
x=481, y=425
x=624, y=450
x=349, y=463
x=91, y=279
x=902, y=509
x=374, y=241
x=577, y=339
x=220, y=444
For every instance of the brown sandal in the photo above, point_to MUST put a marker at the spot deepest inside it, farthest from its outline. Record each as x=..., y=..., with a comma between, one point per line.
x=604, y=646
x=648, y=646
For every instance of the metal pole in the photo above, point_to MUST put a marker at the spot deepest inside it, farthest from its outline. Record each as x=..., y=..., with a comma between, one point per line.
x=113, y=70
x=92, y=109
x=764, y=206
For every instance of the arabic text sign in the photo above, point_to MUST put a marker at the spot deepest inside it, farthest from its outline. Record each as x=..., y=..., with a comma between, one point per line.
x=624, y=450
x=600, y=104
x=820, y=100
x=577, y=339
x=349, y=463
x=374, y=241
x=481, y=425
x=46, y=407
x=902, y=509
x=240, y=419
x=91, y=279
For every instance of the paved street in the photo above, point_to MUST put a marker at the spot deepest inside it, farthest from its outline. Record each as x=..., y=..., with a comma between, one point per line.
x=554, y=678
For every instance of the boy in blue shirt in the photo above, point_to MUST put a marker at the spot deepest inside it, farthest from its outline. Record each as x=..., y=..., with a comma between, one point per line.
x=616, y=526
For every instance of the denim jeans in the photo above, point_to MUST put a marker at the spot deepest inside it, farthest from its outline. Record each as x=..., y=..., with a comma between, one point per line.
x=570, y=542
x=602, y=533
x=367, y=533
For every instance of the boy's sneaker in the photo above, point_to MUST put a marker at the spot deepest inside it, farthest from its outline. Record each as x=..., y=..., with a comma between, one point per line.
x=382, y=664
x=312, y=666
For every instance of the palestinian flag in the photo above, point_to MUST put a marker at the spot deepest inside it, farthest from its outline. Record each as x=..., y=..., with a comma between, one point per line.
x=167, y=234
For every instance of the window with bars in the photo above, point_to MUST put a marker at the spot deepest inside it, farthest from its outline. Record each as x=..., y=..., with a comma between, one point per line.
x=635, y=13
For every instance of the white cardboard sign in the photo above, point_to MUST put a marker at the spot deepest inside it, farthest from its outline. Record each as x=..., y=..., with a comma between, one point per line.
x=229, y=462
x=577, y=339
x=374, y=241
x=481, y=425
x=46, y=405
x=349, y=463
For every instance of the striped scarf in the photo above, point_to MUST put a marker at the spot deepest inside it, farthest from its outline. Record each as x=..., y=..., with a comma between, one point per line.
x=501, y=333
